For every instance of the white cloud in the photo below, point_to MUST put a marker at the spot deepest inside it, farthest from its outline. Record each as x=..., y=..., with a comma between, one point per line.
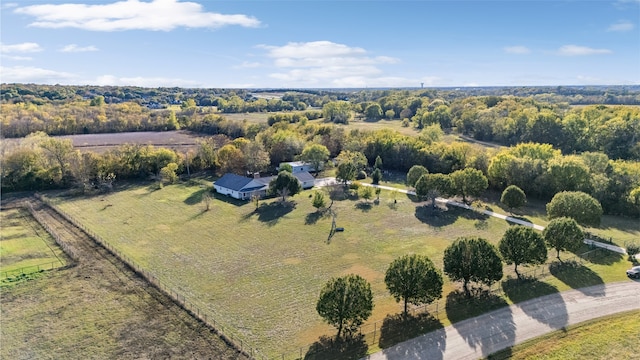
x=517, y=50
x=143, y=81
x=156, y=15
x=17, y=58
x=30, y=74
x=326, y=62
x=27, y=47
x=621, y=26
x=75, y=48
x=575, y=50
x=248, y=65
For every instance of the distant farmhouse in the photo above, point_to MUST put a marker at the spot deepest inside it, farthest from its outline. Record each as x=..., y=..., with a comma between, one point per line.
x=242, y=187
x=299, y=166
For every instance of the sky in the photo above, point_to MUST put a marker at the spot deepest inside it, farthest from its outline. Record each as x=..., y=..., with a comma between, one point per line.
x=320, y=43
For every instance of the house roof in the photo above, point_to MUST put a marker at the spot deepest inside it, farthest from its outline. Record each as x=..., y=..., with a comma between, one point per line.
x=304, y=176
x=233, y=181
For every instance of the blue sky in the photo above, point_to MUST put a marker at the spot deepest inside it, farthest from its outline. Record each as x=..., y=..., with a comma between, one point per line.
x=319, y=43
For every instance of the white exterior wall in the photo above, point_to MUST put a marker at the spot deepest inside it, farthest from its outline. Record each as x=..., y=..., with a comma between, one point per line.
x=228, y=192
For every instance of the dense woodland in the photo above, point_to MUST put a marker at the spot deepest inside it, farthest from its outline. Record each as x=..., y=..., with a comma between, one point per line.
x=553, y=141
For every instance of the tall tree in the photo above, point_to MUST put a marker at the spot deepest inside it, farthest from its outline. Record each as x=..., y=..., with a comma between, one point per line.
x=346, y=172
x=414, y=279
x=472, y=259
x=316, y=155
x=338, y=111
x=285, y=184
x=563, y=233
x=373, y=112
x=469, y=182
x=577, y=205
x=433, y=185
x=513, y=197
x=378, y=163
x=256, y=157
x=522, y=245
x=415, y=173
x=346, y=303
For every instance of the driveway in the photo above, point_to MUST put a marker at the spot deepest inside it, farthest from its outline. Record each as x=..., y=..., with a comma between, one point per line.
x=500, y=329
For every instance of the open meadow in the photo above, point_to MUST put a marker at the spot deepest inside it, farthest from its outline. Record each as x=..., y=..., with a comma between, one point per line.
x=25, y=246
x=260, y=271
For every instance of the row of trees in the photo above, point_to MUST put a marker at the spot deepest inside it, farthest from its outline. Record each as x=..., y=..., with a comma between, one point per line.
x=347, y=302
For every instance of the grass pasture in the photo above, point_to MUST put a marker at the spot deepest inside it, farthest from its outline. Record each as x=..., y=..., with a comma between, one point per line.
x=25, y=246
x=613, y=337
x=260, y=271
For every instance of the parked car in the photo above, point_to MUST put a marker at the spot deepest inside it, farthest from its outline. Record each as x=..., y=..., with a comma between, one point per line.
x=634, y=272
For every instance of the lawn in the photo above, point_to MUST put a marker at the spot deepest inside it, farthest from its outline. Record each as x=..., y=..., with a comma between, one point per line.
x=613, y=337
x=260, y=272
x=25, y=247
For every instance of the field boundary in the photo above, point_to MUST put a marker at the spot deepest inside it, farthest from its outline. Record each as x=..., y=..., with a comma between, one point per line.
x=209, y=320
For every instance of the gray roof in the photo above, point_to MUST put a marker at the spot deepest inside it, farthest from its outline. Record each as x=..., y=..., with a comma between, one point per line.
x=233, y=181
x=304, y=176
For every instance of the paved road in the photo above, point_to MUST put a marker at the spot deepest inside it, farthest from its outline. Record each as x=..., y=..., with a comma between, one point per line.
x=332, y=181
x=500, y=329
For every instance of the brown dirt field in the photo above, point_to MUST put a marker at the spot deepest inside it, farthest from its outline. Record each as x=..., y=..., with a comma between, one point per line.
x=98, y=309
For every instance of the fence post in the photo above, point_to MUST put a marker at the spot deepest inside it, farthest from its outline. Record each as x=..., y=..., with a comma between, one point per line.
x=374, y=332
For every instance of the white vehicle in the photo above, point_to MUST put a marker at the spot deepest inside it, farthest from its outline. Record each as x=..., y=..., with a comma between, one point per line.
x=634, y=272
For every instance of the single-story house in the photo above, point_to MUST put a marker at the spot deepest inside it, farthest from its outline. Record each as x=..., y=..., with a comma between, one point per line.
x=299, y=166
x=242, y=187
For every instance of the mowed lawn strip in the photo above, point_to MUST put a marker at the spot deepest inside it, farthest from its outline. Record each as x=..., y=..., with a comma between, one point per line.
x=261, y=272
x=25, y=246
x=612, y=337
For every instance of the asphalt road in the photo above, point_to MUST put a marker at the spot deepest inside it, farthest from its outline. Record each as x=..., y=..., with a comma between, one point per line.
x=500, y=329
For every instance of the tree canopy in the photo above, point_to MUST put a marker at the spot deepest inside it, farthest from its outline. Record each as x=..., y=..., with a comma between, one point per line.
x=285, y=184
x=581, y=207
x=522, y=245
x=414, y=279
x=513, y=197
x=472, y=259
x=563, y=234
x=345, y=303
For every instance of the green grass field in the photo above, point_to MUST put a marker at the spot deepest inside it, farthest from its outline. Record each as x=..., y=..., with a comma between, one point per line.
x=260, y=272
x=613, y=337
x=25, y=247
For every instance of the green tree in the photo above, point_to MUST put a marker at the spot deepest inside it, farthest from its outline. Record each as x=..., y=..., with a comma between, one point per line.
x=373, y=112
x=577, y=205
x=468, y=182
x=285, y=184
x=433, y=185
x=413, y=279
x=522, y=245
x=513, y=197
x=378, y=163
x=569, y=173
x=256, y=158
x=97, y=101
x=168, y=173
x=346, y=172
x=337, y=111
x=316, y=155
x=286, y=167
x=345, y=303
x=59, y=153
x=563, y=233
x=365, y=192
x=415, y=172
x=376, y=176
x=358, y=159
x=472, y=259
x=318, y=201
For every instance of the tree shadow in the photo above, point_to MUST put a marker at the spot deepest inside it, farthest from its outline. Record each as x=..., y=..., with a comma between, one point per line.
x=195, y=197
x=364, y=206
x=437, y=217
x=510, y=221
x=270, y=213
x=313, y=217
x=228, y=199
x=492, y=331
x=578, y=277
x=398, y=328
x=600, y=256
x=328, y=348
x=539, y=300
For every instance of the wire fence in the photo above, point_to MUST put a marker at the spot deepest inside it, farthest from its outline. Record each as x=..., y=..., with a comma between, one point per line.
x=207, y=317
x=369, y=334
x=26, y=270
